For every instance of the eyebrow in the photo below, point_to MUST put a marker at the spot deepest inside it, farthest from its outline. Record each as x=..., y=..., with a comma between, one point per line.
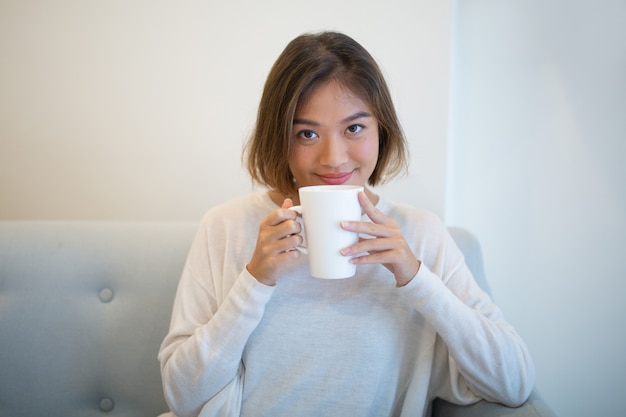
x=355, y=116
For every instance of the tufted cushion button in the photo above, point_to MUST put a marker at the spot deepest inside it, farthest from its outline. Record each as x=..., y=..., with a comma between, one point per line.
x=106, y=295
x=106, y=404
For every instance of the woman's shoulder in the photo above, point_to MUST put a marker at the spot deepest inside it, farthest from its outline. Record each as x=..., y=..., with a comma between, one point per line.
x=241, y=212
x=244, y=205
x=407, y=214
x=424, y=231
x=418, y=225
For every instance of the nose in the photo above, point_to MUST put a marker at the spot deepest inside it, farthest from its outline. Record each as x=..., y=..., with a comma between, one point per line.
x=334, y=152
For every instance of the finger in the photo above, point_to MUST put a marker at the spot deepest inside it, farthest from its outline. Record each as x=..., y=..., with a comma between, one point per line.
x=371, y=258
x=383, y=238
x=288, y=202
x=369, y=228
x=270, y=249
x=392, y=256
x=279, y=216
x=280, y=231
x=370, y=209
x=371, y=246
x=287, y=243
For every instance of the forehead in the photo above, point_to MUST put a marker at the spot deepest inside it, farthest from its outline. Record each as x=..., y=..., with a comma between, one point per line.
x=332, y=91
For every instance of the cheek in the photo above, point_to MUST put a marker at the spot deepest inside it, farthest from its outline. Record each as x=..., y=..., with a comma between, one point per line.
x=297, y=159
x=366, y=151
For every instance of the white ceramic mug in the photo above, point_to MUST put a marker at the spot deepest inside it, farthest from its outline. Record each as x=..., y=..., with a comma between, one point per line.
x=323, y=208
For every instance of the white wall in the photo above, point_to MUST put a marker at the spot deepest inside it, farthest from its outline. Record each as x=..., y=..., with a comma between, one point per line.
x=538, y=144
x=137, y=110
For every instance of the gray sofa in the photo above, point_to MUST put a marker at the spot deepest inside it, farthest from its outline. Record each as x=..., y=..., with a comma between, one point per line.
x=84, y=307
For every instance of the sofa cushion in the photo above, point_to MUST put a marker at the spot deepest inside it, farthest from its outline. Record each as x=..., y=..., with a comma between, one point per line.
x=83, y=310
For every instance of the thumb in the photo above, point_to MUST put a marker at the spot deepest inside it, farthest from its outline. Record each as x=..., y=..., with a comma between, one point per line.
x=287, y=203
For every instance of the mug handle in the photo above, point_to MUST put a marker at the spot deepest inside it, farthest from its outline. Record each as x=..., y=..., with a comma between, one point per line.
x=298, y=209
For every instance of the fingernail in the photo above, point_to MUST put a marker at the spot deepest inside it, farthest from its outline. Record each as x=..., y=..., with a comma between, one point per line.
x=345, y=251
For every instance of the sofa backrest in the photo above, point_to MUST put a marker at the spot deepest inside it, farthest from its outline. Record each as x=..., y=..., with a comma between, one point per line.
x=470, y=246
x=84, y=307
x=83, y=310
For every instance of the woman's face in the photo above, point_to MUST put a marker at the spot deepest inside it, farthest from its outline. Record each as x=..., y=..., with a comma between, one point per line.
x=335, y=138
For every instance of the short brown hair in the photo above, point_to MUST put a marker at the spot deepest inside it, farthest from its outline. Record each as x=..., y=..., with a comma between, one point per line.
x=307, y=62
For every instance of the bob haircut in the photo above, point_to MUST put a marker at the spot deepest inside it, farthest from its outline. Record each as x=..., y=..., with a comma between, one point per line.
x=307, y=62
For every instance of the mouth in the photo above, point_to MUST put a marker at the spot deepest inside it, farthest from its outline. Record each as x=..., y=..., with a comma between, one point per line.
x=335, y=178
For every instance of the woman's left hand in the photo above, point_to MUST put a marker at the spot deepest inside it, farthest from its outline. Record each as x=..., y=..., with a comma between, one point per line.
x=387, y=247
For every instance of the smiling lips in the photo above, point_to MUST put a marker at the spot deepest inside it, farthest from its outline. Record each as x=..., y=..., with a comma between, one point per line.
x=336, y=178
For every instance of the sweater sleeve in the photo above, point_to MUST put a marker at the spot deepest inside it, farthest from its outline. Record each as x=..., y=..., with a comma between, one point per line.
x=477, y=353
x=210, y=326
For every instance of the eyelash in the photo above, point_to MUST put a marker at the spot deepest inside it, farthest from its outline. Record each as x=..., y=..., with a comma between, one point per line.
x=302, y=134
x=358, y=126
x=352, y=129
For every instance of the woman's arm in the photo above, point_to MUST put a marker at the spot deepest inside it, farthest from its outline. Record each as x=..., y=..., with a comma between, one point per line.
x=202, y=352
x=215, y=311
x=484, y=353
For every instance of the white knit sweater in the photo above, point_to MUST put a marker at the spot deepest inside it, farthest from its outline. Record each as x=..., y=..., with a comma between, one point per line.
x=352, y=347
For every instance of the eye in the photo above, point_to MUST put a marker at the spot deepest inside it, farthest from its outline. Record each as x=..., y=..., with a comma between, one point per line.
x=356, y=128
x=307, y=134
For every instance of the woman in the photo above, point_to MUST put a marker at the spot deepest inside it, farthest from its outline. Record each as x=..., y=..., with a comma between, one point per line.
x=253, y=334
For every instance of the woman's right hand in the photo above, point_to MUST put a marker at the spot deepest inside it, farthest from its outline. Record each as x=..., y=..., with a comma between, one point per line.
x=278, y=236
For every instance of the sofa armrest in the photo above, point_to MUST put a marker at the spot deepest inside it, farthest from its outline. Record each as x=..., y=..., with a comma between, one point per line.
x=535, y=406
